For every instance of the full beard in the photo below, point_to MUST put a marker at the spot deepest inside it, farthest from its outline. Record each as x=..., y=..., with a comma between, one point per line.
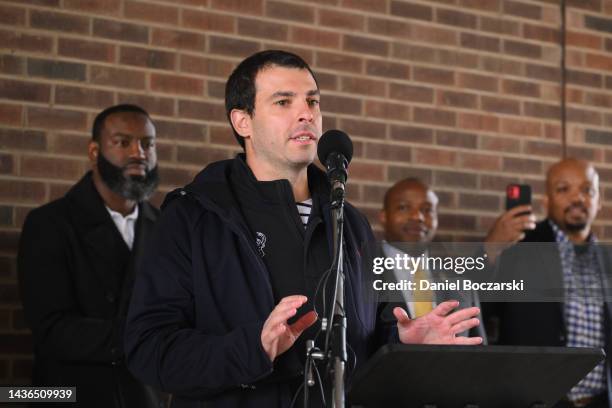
x=137, y=188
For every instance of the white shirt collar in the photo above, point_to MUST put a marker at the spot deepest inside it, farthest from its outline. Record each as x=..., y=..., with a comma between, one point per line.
x=126, y=225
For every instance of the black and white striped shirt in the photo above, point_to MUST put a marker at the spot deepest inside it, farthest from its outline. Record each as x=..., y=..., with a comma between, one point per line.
x=304, y=209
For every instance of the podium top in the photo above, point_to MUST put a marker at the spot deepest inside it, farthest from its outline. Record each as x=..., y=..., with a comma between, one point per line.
x=400, y=375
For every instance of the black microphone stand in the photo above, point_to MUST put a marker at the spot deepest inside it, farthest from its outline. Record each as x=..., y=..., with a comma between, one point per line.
x=337, y=314
x=333, y=325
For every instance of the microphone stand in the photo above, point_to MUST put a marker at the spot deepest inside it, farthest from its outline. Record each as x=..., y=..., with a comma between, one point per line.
x=337, y=351
x=335, y=324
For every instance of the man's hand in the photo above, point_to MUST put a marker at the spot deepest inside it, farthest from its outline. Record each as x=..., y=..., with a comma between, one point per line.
x=277, y=336
x=508, y=229
x=438, y=326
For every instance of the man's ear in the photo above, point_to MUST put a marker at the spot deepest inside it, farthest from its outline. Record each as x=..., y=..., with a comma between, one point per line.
x=93, y=150
x=599, y=201
x=241, y=121
x=545, y=202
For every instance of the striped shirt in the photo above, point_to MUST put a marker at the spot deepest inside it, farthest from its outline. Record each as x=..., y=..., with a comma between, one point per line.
x=304, y=209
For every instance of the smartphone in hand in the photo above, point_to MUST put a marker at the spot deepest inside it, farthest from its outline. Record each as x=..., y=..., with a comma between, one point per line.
x=517, y=194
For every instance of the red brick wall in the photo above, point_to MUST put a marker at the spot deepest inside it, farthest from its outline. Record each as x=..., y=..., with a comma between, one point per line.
x=463, y=93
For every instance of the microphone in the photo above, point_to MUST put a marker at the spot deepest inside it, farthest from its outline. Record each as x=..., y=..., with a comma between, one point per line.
x=335, y=151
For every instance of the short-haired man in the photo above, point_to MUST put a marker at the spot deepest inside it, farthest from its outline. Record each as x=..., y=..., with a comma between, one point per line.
x=77, y=257
x=219, y=313
x=410, y=212
x=573, y=262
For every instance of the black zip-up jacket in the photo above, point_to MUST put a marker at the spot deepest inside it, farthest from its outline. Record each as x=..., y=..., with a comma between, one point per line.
x=203, y=294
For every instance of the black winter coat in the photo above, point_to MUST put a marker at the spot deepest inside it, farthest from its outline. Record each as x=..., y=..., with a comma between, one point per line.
x=75, y=275
x=202, y=297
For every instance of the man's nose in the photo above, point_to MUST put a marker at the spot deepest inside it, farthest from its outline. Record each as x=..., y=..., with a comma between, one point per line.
x=136, y=149
x=578, y=196
x=306, y=113
x=416, y=214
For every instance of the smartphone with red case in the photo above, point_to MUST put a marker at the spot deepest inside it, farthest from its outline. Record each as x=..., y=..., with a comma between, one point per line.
x=517, y=194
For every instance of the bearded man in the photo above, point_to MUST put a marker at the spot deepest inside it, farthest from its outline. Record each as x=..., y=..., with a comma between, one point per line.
x=574, y=265
x=76, y=263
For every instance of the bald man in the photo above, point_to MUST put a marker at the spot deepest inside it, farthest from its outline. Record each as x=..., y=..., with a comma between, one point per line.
x=410, y=216
x=572, y=201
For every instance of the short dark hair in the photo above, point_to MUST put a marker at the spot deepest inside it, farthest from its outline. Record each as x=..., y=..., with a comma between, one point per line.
x=240, y=86
x=98, y=123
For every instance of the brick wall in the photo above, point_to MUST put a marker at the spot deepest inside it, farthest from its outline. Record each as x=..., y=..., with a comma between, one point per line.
x=463, y=93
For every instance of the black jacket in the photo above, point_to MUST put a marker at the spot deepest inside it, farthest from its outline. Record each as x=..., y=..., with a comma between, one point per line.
x=542, y=323
x=199, y=305
x=75, y=276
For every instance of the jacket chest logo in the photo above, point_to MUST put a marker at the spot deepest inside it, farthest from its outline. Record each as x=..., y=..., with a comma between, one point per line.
x=260, y=241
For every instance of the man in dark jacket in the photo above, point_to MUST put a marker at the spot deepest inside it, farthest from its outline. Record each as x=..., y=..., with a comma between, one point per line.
x=574, y=268
x=228, y=292
x=76, y=262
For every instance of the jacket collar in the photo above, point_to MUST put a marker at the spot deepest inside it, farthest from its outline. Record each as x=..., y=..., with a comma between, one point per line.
x=101, y=239
x=99, y=233
x=212, y=186
x=84, y=196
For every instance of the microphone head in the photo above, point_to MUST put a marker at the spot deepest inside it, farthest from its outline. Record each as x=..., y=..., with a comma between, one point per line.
x=335, y=141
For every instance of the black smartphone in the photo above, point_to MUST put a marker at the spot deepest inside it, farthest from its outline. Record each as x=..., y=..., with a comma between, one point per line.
x=517, y=194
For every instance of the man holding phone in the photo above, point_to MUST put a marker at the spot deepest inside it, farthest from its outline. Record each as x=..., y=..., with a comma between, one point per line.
x=572, y=202
x=512, y=225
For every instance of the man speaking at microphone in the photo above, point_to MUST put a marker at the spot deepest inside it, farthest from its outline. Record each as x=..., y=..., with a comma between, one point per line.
x=226, y=297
